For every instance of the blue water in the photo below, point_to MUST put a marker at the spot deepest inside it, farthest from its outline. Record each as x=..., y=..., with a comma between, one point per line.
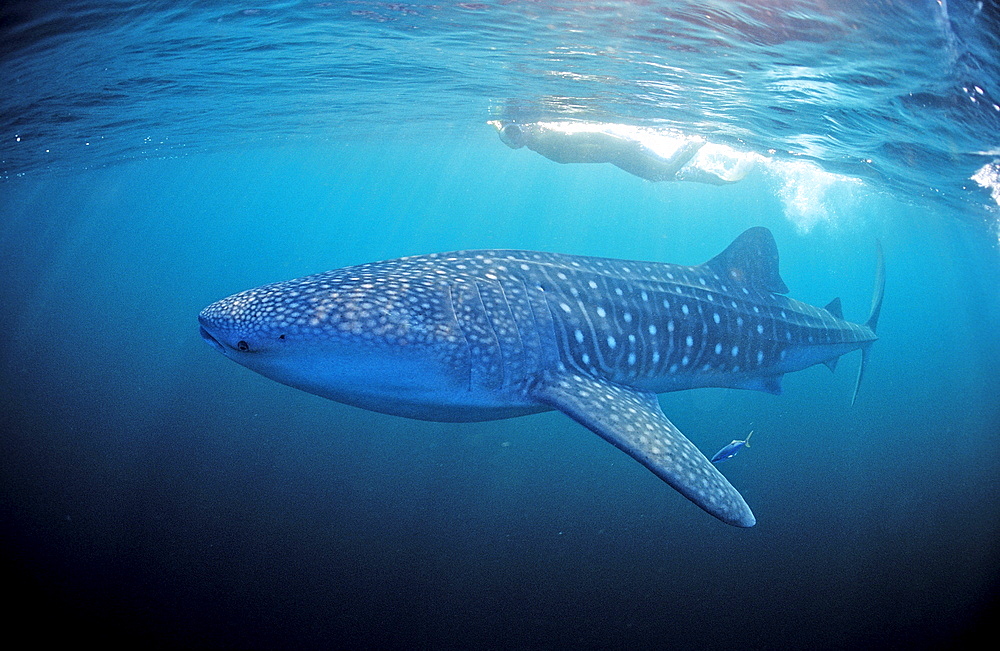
x=159, y=156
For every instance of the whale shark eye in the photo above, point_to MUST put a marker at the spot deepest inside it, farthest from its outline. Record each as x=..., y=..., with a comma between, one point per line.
x=242, y=346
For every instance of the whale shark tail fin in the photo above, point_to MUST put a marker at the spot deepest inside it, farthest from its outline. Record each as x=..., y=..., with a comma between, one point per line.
x=873, y=315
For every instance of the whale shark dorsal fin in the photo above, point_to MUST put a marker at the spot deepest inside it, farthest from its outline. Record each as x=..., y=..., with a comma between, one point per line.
x=751, y=260
x=633, y=422
x=834, y=308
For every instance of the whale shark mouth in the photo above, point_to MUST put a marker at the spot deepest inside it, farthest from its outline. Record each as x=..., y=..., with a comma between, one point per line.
x=212, y=341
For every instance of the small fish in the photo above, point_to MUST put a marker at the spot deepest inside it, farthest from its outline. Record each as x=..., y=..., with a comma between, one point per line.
x=730, y=450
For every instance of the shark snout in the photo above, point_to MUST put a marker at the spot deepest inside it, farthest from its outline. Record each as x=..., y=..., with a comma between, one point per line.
x=212, y=341
x=210, y=331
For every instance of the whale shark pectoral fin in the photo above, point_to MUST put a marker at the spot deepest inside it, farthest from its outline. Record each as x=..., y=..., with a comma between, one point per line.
x=633, y=422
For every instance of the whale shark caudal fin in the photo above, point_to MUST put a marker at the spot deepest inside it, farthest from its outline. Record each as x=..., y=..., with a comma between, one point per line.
x=633, y=422
x=873, y=316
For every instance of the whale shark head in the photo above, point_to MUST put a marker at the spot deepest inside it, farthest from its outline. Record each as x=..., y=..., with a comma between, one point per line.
x=362, y=336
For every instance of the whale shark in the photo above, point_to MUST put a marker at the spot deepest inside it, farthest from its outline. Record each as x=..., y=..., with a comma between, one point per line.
x=491, y=334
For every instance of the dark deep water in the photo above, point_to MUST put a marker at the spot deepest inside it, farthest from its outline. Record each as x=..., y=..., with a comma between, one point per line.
x=154, y=494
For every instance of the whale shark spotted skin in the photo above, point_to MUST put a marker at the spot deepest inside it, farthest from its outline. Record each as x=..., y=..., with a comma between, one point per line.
x=484, y=335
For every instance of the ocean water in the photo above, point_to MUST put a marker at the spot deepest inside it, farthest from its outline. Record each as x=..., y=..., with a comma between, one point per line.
x=156, y=157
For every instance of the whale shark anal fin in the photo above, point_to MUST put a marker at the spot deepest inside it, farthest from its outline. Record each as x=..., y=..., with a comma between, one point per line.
x=633, y=422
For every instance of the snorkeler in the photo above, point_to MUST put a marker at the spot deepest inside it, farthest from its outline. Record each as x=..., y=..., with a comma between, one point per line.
x=651, y=154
